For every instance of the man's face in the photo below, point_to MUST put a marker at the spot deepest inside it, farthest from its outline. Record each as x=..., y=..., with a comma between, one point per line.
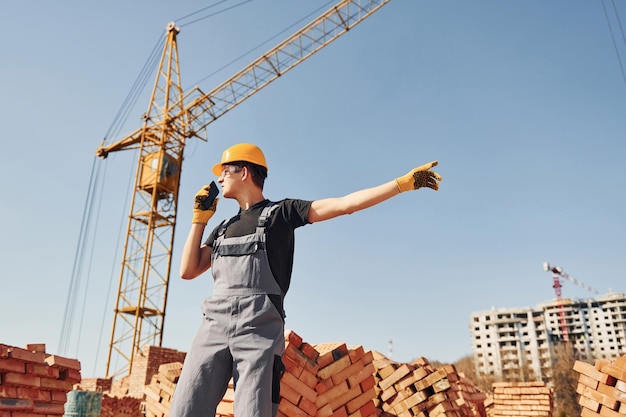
x=229, y=178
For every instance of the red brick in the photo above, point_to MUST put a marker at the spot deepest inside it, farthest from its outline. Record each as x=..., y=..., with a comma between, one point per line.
x=36, y=347
x=347, y=372
x=607, y=412
x=71, y=375
x=340, y=412
x=42, y=370
x=386, y=371
x=21, y=380
x=308, y=378
x=367, y=357
x=603, y=399
x=33, y=394
x=421, y=361
x=429, y=380
x=323, y=386
x=16, y=404
x=56, y=384
x=356, y=354
x=368, y=383
x=362, y=375
x=333, y=368
x=611, y=392
x=299, y=386
x=614, y=371
x=8, y=391
x=26, y=355
x=293, y=338
x=289, y=394
x=300, y=358
x=291, y=366
x=58, y=397
x=308, y=406
x=309, y=351
x=12, y=365
x=397, y=375
x=4, y=351
x=360, y=401
x=338, y=351
x=588, y=413
x=588, y=381
x=324, y=411
x=48, y=408
x=61, y=362
x=367, y=410
x=332, y=393
x=352, y=393
x=291, y=410
x=589, y=403
x=592, y=372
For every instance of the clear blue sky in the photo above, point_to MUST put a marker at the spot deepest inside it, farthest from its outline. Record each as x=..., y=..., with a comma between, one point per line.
x=522, y=103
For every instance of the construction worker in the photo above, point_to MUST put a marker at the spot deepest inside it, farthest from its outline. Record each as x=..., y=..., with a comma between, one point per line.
x=251, y=259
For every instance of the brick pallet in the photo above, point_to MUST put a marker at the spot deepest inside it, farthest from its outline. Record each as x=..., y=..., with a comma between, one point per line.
x=34, y=383
x=602, y=388
x=418, y=389
x=527, y=399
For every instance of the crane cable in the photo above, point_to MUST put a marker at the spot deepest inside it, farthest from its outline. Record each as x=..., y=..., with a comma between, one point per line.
x=93, y=203
x=619, y=23
x=75, y=280
x=240, y=57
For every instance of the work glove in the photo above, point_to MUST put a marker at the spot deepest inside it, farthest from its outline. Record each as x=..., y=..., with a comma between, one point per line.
x=202, y=214
x=419, y=177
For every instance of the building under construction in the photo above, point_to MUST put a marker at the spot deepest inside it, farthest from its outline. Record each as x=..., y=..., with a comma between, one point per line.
x=508, y=342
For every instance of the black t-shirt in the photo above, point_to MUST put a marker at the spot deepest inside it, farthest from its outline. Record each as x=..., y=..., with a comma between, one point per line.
x=290, y=214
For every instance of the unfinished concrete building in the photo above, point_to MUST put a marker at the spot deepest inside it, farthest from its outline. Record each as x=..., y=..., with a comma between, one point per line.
x=519, y=343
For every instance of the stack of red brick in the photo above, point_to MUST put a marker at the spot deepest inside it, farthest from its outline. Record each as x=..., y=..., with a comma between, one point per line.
x=346, y=386
x=161, y=389
x=335, y=380
x=112, y=403
x=526, y=399
x=469, y=397
x=418, y=389
x=602, y=387
x=120, y=406
x=34, y=382
x=324, y=380
x=332, y=380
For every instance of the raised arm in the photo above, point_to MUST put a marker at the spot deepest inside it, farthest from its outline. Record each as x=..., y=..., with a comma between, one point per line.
x=329, y=208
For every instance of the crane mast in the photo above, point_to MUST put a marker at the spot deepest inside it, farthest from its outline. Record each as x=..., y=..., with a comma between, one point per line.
x=171, y=119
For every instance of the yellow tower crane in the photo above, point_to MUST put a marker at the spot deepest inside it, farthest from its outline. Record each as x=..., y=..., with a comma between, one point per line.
x=171, y=119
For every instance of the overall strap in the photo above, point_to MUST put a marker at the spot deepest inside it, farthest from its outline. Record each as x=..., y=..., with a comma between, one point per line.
x=221, y=229
x=265, y=214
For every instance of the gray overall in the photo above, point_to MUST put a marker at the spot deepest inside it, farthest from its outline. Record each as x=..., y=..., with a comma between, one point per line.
x=241, y=336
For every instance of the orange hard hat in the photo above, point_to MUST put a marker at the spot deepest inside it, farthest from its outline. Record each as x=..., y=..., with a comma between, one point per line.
x=241, y=152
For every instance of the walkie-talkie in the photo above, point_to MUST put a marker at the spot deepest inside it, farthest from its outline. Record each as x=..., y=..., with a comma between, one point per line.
x=213, y=192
